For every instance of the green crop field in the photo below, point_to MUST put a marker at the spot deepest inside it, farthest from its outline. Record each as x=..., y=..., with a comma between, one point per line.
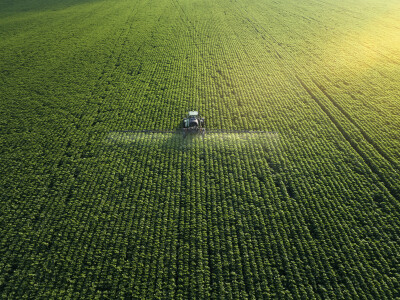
x=293, y=193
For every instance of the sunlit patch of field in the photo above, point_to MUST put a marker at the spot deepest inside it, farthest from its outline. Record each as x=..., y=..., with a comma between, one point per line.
x=375, y=44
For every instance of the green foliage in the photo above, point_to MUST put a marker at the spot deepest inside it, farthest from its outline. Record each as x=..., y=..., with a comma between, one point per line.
x=92, y=210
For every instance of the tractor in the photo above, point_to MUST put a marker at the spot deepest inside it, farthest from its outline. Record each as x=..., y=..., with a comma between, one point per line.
x=193, y=123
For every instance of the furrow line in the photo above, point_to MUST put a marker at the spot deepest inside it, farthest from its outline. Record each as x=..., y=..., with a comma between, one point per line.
x=391, y=162
x=351, y=120
x=393, y=193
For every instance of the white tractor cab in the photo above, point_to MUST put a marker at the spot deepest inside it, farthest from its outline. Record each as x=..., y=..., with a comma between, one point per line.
x=193, y=123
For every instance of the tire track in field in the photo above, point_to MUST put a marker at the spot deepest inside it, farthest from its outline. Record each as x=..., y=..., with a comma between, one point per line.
x=276, y=45
x=374, y=170
x=351, y=120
